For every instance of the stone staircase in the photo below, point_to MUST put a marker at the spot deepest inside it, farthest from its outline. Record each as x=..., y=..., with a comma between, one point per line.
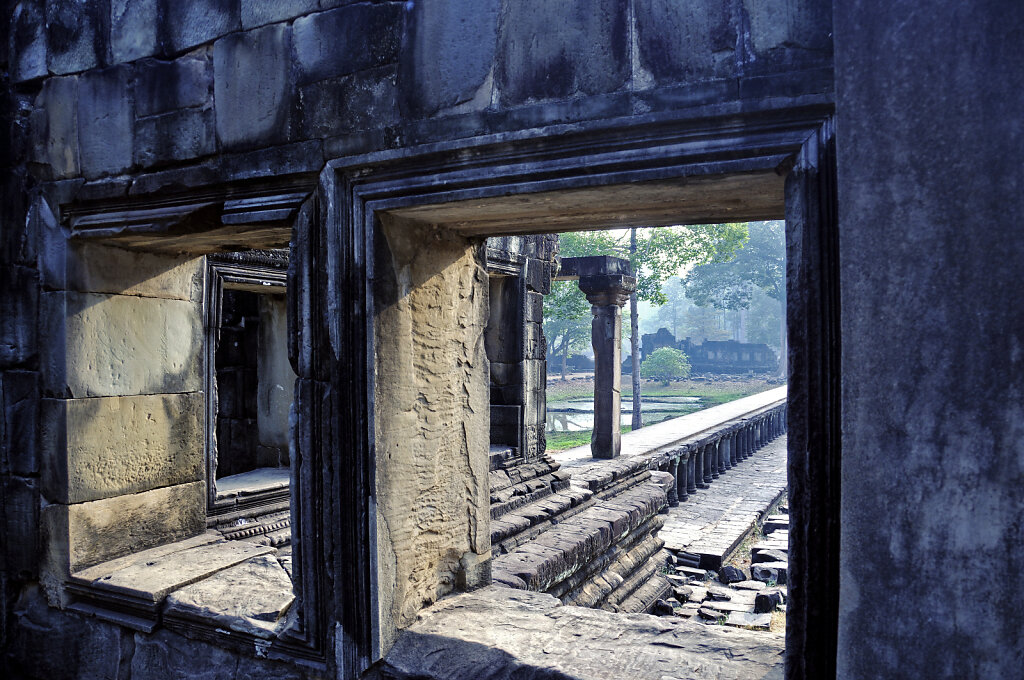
x=590, y=540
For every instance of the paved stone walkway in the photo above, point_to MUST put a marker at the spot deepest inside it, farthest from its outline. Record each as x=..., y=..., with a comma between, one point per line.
x=714, y=521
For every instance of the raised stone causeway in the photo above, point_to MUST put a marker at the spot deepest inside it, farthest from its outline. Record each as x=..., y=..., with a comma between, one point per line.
x=716, y=520
x=592, y=538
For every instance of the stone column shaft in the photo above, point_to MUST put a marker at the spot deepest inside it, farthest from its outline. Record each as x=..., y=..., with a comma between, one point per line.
x=606, y=295
x=691, y=477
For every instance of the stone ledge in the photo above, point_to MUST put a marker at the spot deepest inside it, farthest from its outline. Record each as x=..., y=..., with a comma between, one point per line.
x=571, y=545
x=532, y=635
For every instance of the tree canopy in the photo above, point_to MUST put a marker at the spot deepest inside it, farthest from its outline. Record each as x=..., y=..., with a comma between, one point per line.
x=661, y=253
x=730, y=284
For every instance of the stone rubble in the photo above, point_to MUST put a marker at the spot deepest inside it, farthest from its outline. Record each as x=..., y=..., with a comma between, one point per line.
x=729, y=597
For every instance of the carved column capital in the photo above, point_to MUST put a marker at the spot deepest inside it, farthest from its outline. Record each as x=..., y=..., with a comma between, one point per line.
x=607, y=290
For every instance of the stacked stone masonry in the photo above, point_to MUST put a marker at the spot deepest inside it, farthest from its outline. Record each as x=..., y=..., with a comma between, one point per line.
x=143, y=134
x=591, y=539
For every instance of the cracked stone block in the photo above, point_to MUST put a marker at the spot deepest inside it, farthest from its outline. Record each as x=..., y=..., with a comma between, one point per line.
x=163, y=86
x=188, y=23
x=260, y=12
x=176, y=136
x=55, y=119
x=133, y=29
x=105, y=121
x=252, y=597
x=678, y=42
x=74, y=29
x=343, y=41
x=440, y=69
x=85, y=534
x=252, y=86
x=588, y=54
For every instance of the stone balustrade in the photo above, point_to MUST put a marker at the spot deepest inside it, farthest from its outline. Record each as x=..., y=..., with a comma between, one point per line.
x=696, y=461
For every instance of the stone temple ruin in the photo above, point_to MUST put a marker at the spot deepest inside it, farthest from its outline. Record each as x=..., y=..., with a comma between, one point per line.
x=272, y=371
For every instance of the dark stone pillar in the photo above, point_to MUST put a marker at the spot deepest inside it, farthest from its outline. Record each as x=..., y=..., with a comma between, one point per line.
x=710, y=466
x=691, y=477
x=703, y=467
x=673, y=491
x=607, y=294
x=725, y=451
x=682, y=478
x=732, y=448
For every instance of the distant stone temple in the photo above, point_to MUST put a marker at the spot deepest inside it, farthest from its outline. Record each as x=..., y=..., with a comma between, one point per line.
x=714, y=356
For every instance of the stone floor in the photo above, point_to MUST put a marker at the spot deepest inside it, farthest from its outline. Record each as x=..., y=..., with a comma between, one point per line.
x=713, y=521
x=500, y=633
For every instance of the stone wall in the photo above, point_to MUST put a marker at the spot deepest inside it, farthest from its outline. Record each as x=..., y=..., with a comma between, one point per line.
x=930, y=201
x=432, y=420
x=121, y=425
x=117, y=105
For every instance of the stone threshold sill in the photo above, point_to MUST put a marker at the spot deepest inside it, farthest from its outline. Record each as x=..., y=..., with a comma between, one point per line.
x=236, y=590
x=259, y=488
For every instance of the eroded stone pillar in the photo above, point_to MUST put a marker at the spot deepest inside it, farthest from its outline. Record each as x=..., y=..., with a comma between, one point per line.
x=607, y=294
x=691, y=476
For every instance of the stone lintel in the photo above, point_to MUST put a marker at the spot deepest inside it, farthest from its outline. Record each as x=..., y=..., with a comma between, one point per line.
x=592, y=265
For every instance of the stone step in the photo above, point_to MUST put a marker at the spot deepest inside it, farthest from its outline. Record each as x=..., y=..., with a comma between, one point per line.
x=513, y=528
x=571, y=545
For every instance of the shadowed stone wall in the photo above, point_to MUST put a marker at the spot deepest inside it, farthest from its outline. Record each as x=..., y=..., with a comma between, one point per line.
x=929, y=132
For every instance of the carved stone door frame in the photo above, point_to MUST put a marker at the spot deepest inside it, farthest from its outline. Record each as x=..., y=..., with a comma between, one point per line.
x=332, y=316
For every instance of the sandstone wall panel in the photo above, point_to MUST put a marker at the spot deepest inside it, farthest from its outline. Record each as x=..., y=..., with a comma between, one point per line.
x=117, y=345
x=432, y=422
x=109, y=446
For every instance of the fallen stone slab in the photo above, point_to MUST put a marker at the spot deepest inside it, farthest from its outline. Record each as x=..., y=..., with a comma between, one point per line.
x=531, y=635
x=692, y=571
x=745, y=620
x=729, y=606
x=758, y=555
x=710, y=614
x=719, y=594
x=750, y=585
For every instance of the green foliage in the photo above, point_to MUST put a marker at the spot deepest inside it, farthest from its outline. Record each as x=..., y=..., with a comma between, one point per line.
x=661, y=253
x=665, y=364
x=730, y=284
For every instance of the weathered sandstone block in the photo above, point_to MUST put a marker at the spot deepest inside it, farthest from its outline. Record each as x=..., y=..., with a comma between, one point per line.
x=110, y=446
x=81, y=535
x=114, y=345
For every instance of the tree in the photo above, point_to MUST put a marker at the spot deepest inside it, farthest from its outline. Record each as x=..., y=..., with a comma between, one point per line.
x=656, y=254
x=566, y=321
x=665, y=364
x=759, y=264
